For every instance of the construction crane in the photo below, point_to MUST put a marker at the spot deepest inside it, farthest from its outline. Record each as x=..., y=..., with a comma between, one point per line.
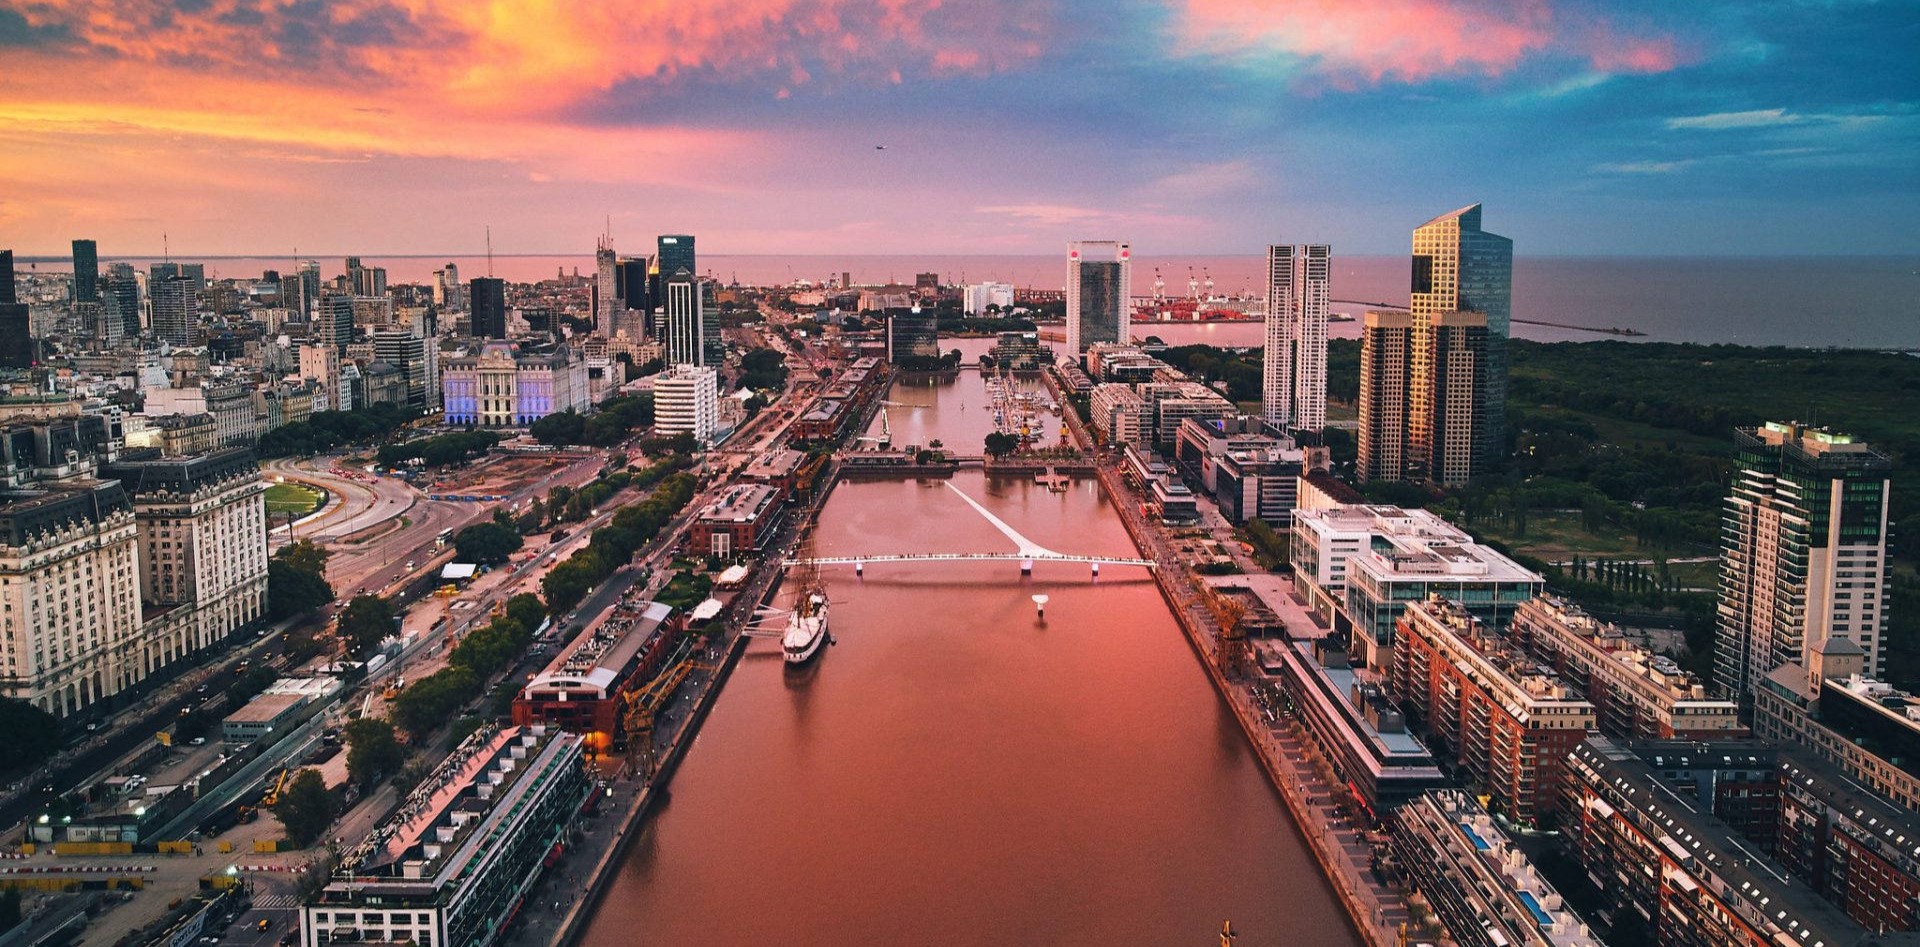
x=273, y=795
x=644, y=703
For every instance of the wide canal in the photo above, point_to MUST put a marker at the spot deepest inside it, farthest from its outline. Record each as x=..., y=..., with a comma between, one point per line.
x=955, y=770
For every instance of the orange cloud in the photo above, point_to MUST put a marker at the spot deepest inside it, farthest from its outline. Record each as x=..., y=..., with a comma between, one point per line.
x=1411, y=40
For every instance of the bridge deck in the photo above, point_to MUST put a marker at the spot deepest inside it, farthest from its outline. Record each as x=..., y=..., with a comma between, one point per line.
x=969, y=557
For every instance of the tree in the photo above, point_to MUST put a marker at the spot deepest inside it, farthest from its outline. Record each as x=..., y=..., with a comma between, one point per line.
x=431, y=701
x=306, y=556
x=367, y=620
x=558, y=430
x=526, y=609
x=305, y=807
x=372, y=751
x=1000, y=443
x=486, y=543
x=33, y=735
x=250, y=685
x=291, y=591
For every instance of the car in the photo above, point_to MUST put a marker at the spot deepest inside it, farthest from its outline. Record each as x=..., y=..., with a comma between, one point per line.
x=197, y=741
x=263, y=925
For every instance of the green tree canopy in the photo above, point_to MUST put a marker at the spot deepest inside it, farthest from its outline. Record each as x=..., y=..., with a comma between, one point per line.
x=431, y=701
x=305, y=807
x=366, y=621
x=372, y=751
x=489, y=543
x=1000, y=444
x=33, y=735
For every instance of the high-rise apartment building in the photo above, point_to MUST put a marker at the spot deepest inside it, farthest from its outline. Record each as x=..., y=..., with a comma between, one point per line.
x=692, y=338
x=1422, y=396
x=309, y=274
x=1457, y=267
x=86, y=271
x=1294, y=381
x=333, y=320
x=176, y=310
x=686, y=401
x=1097, y=294
x=1803, y=552
x=605, y=300
x=976, y=298
x=447, y=289
x=1384, y=344
x=120, y=299
x=415, y=357
x=487, y=298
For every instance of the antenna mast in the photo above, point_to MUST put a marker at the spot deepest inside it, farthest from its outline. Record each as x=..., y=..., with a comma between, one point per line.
x=489, y=251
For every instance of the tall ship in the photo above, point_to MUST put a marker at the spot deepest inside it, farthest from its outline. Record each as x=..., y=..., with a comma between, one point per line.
x=806, y=624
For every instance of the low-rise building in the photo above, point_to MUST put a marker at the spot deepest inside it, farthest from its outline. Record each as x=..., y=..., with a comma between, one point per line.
x=1484, y=889
x=780, y=467
x=450, y=867
x=1506, y=721
x=1250, y=473
x=1349, y=717
x=1635, y=693
x=739, y=521
x=1117, y=414
x=1868, y=729
x=1358, y=566
x=502, y=386
x=583, y=688
x=1711, y=844
x=823, y=420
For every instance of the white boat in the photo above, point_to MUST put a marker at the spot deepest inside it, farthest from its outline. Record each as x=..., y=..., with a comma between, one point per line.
x=806, y=627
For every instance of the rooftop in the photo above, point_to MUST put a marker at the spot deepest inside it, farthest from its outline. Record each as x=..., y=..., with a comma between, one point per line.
x=1606, y=641
x=597, y=657
x=1455, y=816
x=1503, y=667
x=741, y=503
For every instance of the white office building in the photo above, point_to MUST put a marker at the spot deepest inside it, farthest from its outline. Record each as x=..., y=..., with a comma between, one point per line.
x=978, y=297
x=686, y=400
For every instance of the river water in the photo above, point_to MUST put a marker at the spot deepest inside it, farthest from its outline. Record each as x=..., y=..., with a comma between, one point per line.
x=955, y=770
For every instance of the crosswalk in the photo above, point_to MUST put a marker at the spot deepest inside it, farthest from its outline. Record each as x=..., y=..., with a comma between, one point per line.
x=277, y=902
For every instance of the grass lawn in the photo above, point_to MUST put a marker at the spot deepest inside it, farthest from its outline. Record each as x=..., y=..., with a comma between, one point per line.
x=284, y=498
x=1559, y=536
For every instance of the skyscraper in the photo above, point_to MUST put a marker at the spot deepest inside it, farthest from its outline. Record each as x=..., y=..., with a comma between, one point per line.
x=120, y=297
x=675, y=253
x=7, y=292
x=1803, y=552
x=1383, y=396
x=686, y=321
x=309, y=271
x=1096, y=294
x=446, y=288
x=1459, y=267
x=175, y=312
x=1294, y=382
x=605, y=300
x=487, y=297
x=333, y=320
x=86, y=271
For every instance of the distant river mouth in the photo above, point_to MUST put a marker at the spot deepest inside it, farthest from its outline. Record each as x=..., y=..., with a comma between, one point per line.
x=957, y=770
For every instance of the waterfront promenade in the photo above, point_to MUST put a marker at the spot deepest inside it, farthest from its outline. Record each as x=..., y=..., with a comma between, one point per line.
x=1378, y=910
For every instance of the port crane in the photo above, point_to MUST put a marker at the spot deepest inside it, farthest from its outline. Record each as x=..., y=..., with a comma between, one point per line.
x=644, y=703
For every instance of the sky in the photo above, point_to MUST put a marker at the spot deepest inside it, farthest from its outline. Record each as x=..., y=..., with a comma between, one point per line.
x=235, y=127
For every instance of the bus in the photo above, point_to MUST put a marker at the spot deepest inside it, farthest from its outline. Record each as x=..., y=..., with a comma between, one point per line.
x=445, y=537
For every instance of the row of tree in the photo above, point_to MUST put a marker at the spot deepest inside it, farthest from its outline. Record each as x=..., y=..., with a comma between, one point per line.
x=323, y=431
x=439, y=450
x=431, y=701
x=614, y=544
x=297, y=580
x=616, y=419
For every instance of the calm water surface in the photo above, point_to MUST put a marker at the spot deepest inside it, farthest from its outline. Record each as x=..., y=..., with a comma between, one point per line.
x=955, y=771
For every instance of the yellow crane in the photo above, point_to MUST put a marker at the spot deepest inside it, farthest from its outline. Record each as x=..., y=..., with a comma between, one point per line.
x=645, y=702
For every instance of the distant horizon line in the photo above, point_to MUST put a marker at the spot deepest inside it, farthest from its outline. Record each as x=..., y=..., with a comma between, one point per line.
x=588, y=254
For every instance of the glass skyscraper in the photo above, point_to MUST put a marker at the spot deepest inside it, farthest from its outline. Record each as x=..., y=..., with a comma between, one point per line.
x=1457, y=267
x=1096, y=294
x=86, y=271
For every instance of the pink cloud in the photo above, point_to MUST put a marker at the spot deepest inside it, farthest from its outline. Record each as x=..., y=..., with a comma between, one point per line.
x=1375, y=41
